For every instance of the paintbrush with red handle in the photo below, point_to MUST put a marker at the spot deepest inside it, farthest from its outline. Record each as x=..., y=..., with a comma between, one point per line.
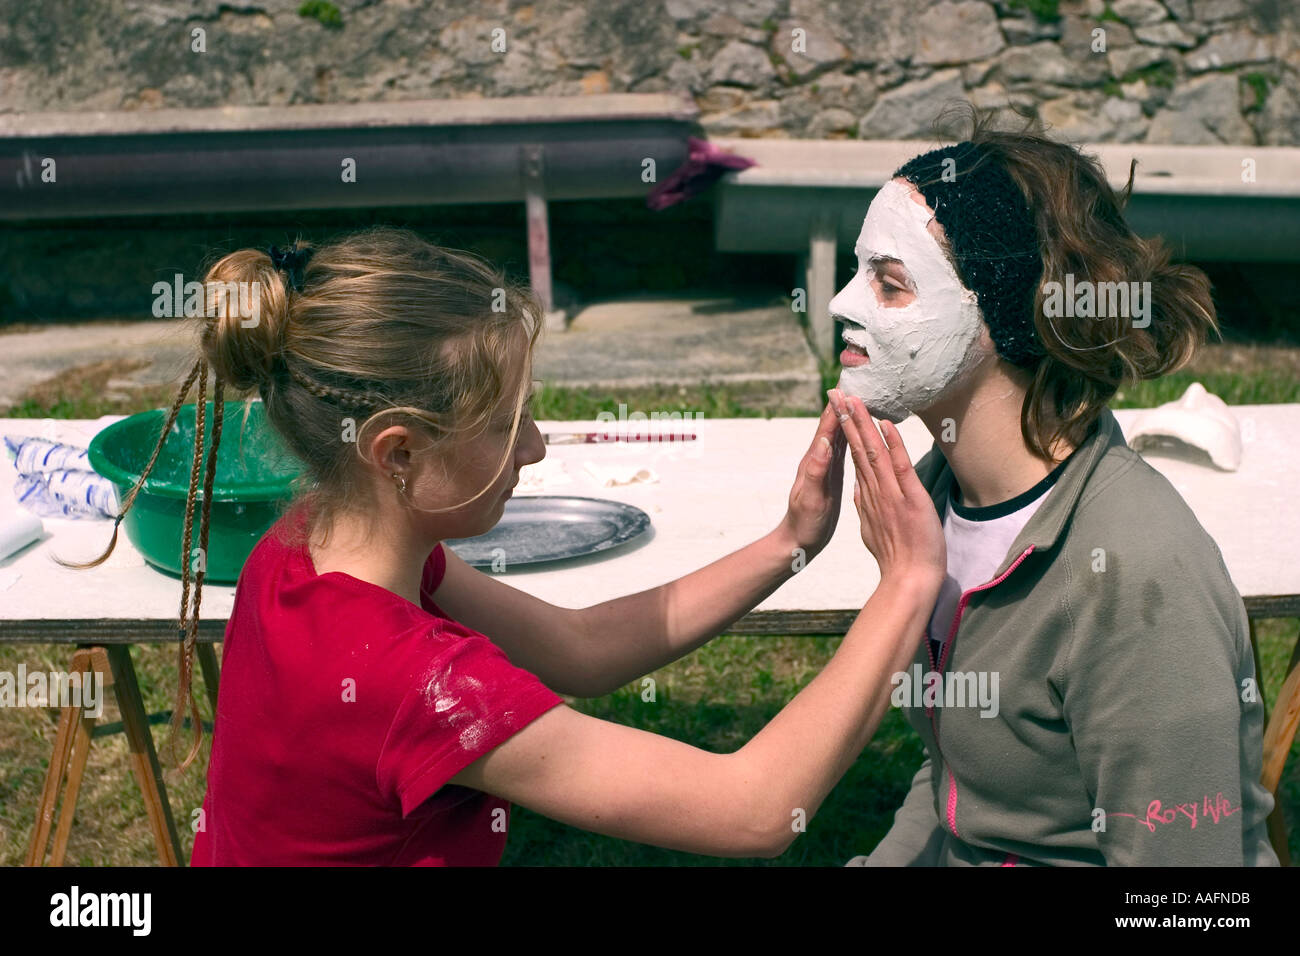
x=592, y=438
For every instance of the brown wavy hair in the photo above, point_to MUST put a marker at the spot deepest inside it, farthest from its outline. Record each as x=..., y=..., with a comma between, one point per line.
x=384, y=327
x=1082, y=231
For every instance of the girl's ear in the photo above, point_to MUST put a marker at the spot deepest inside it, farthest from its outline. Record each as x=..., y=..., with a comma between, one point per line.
x=390, y=450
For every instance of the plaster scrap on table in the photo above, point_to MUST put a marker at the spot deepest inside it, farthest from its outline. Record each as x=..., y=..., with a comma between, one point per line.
x=1198, y=418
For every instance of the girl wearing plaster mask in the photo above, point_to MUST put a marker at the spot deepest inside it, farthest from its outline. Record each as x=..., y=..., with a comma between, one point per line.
x=1079, y=689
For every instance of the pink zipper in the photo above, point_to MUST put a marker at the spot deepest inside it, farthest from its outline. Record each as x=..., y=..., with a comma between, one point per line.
x=943, y=661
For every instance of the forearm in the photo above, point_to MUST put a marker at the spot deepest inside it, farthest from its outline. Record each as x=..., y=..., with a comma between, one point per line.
x=808, y=746
x=630, y=636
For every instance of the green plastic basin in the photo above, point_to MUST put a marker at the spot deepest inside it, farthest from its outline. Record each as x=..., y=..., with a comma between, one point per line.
x=254, y=481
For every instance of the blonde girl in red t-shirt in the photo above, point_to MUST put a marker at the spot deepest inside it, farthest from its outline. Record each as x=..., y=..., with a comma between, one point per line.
x=430, y=351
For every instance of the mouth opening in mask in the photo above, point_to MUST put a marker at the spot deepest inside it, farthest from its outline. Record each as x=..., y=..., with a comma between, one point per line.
x=853, y=355
x=855, y=350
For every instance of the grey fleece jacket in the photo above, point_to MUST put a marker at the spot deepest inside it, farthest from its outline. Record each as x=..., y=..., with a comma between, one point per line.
x=1127, y=729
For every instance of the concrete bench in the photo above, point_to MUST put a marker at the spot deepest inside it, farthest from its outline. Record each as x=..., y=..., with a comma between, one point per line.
x=230, y=159
x=810, y=196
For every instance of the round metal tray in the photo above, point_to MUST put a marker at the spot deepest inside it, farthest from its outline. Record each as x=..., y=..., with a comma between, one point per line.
x=536, y=529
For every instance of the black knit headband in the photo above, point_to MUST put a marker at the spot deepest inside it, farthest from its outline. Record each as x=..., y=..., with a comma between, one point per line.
x=993, y=239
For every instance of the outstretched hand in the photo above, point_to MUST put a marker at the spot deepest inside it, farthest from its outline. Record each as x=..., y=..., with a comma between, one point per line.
x=815, y=498
x=899, y=523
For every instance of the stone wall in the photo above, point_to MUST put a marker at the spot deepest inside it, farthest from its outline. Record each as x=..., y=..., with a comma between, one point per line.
x=1170, y=71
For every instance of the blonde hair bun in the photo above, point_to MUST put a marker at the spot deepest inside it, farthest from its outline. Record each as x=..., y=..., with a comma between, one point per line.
x=248, y=317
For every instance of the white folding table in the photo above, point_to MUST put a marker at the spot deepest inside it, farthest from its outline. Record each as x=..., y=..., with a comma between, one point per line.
x=713, y=496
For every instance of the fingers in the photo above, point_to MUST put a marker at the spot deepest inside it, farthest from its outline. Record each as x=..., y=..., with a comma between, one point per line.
x=814, y=466
x=863, y=452
x=905, y=474
x=827, y=425
x=878, y=453
x=838, y=444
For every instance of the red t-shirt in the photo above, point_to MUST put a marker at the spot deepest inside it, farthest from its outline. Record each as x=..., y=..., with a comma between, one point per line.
x=343, y=711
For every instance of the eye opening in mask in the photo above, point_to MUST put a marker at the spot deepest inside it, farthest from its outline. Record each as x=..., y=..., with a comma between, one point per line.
x=892, y=274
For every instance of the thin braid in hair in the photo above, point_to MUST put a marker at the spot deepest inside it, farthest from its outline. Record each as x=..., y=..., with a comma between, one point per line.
x=187, y=539
x=185, y=695
x=339, y=396
x=144, y=475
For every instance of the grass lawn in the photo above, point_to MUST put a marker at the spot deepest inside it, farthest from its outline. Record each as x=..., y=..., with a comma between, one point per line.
x=716, y=698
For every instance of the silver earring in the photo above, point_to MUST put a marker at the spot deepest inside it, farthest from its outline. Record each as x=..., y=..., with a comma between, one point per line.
x=402, y=488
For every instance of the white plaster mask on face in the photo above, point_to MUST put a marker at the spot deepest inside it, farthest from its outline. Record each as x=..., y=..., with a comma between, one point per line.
x=915, y=352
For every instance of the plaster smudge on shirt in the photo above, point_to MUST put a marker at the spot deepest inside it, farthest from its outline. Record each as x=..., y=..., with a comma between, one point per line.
x=473, y=735
x=445, y=693
x=437, y=692
x=458, y=698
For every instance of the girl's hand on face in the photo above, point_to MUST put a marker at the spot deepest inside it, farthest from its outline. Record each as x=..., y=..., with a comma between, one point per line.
x=900, y=526
x=815, y=498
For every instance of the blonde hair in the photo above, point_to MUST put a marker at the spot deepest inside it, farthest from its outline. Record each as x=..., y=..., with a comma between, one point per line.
x=384, y=327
